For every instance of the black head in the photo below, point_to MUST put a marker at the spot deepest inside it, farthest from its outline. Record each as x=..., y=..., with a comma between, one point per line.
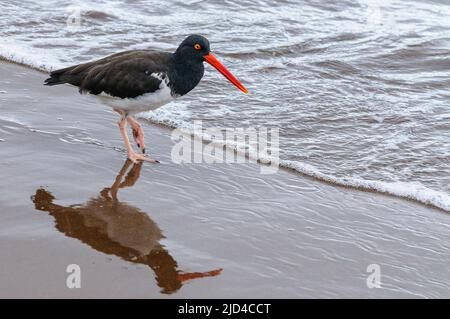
x=193, y=48
x=192, y=52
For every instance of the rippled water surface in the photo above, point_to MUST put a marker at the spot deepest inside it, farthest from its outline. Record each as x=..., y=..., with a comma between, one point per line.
x=359, y=89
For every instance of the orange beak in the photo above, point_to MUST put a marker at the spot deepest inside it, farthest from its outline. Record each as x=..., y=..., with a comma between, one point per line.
x=211, y=59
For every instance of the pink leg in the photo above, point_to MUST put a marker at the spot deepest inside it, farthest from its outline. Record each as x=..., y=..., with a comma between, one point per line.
x=132, y=155
x=138, y=132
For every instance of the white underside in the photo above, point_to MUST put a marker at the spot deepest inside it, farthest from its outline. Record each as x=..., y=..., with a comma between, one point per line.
x=143, y=103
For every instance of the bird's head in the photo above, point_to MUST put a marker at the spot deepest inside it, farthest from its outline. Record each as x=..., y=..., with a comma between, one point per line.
x=196, y=48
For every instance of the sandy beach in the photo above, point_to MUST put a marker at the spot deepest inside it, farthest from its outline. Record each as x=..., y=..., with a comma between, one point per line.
x=68, y=196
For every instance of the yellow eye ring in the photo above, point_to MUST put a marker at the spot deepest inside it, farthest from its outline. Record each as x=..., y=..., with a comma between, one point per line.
x=197, y=46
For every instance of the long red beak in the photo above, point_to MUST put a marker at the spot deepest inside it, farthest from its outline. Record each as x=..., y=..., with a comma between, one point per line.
x=211, y=59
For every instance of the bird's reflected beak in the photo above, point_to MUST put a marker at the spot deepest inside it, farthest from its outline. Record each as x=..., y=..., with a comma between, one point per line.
x=211, y=59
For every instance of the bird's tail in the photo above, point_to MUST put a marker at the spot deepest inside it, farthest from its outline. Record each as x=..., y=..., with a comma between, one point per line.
x=59, y=76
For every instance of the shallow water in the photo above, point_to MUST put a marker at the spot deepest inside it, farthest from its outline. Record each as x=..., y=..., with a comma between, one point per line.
x=359, y=89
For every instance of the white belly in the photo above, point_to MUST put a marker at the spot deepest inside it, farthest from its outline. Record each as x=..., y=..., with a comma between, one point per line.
x=143, y=103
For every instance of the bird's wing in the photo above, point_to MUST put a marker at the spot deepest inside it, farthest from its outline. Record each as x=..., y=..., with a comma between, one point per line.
x=125, y=75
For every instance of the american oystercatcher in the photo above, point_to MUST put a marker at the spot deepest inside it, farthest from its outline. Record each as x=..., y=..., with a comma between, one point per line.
x=142, y=80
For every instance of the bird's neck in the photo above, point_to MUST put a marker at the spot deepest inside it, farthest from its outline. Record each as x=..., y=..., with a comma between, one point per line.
x=185, y=74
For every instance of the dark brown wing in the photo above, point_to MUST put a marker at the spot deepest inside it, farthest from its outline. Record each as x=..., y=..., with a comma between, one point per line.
x=125, y=75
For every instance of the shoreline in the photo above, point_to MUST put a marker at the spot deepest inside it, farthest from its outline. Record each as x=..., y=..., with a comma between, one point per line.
x=439, y=200
x=297, y=236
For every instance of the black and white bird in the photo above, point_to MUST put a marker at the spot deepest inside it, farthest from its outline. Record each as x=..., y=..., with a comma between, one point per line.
x=142, y=80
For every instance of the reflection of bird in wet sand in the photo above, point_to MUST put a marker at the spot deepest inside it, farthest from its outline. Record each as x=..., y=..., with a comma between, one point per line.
x=117, y=228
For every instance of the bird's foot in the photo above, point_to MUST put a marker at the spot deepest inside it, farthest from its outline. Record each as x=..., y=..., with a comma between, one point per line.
x=134, y=157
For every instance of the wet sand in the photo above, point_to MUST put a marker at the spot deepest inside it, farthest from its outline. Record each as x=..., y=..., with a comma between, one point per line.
x=67, y=196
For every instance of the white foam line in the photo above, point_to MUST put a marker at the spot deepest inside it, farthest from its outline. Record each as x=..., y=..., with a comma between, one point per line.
x=410, y=190
x=18, y=54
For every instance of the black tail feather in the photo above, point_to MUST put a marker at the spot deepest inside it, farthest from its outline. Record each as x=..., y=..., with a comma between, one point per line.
x=59, y=76
x=53, y=80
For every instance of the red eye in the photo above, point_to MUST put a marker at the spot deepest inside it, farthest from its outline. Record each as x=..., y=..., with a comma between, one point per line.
x=197, y=46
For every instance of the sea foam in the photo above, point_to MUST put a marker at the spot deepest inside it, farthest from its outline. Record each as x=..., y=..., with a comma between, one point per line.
x=410, y=190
